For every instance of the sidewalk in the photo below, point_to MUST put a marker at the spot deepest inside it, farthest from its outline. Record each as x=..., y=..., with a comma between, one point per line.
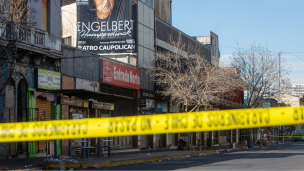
x=122, y=157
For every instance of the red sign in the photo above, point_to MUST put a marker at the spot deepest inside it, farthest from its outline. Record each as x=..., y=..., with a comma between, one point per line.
x=120, y=75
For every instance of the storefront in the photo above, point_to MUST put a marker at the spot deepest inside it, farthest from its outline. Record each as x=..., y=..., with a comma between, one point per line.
x=41, y=107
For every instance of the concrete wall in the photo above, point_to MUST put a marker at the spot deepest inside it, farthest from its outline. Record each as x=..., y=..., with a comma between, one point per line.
x=54, y=15
x=163, y=10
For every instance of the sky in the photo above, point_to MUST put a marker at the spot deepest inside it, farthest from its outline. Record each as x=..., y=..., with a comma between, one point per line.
x=277, y=24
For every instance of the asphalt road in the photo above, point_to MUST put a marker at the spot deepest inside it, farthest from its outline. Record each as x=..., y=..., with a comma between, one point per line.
x=288, y=156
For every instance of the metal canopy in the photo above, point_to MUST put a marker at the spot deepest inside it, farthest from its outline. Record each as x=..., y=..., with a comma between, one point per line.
x=87, y=94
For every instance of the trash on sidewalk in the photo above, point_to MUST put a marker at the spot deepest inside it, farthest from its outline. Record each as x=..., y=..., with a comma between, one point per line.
x=232, y=145
x=159, y=160
x=64, y=157
x=96, y=166
x=244, y=143
x=192, y=149
x=265, y=143
x=228, y=150
x=242, y=147
x=3, y=168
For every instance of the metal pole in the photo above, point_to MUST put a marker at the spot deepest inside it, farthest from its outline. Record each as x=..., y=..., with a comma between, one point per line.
x=56, y=118
x=109, y=147
x=98, y=154
x=47, y=149
x=88, y=144
x=279, y=84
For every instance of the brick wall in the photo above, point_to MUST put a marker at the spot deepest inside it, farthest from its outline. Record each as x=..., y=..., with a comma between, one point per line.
x=67, y=83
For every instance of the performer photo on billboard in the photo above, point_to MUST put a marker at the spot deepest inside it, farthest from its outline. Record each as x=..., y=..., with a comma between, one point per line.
x=107, y=26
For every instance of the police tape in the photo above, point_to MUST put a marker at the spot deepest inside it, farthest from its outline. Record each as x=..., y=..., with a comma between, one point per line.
x=151, y=124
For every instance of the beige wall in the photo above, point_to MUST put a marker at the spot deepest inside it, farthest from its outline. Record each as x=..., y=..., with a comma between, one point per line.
x=163, y=10
x=293, y=101
x=69, y=20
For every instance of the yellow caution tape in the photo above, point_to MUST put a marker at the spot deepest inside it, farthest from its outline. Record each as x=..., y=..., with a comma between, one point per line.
x=151, y=124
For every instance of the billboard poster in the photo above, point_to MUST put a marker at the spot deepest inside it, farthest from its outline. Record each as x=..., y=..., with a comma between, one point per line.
x=107, y=26
x=121, y=75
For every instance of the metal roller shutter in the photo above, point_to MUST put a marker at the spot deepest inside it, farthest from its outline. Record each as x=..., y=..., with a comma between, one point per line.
x=43, y=114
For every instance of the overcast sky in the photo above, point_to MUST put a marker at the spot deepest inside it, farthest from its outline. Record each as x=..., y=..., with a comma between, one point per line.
x=279, y=24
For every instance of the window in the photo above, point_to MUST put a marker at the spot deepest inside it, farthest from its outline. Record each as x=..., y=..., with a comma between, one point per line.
x=67, y=40
x=44, y=16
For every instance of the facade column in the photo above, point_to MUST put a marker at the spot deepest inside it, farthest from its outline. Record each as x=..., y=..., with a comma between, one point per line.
x=218, y=136
x=137, y=137
x=211, y=136
x=236, y=136
x=167, y=140
x=230, y=136
x=196, y=138
x=204, y=138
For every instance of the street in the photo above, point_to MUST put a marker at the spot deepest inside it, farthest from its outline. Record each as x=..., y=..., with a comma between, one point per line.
x=288, y=156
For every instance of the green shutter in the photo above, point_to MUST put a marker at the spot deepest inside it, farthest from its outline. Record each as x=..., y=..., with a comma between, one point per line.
x=31, y=105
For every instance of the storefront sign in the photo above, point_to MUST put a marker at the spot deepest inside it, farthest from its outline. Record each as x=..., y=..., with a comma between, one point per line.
x=105, y=115
x=142, y=102
x=159, y=110
x=120, y=75
x=164, y=105
x=87, y=85
x=107, y=26
x=68, y=101
x=49, y=80
x=77, y=116
x=74, y=102
x=148, y=95
x=102, y=105
x=149, y=103
x=147, y=112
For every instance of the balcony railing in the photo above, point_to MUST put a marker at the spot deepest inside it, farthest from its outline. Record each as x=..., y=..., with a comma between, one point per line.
x=26, y=34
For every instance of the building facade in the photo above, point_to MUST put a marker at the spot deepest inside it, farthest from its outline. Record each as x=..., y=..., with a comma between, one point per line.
x=296, y=89
x=37, y=51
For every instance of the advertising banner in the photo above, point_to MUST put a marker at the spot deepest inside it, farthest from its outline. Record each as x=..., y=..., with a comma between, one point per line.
x=120, y=75
x=107, y=26
x=50, y=80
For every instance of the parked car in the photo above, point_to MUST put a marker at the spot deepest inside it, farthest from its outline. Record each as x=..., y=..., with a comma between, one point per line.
x=298, y=137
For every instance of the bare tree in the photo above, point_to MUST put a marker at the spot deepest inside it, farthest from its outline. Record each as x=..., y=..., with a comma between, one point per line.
x=263, y=76
x=189, y=79
x=13, y=14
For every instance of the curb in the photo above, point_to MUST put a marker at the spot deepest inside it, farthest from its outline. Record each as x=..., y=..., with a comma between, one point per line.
x=39, y=168
x=126, y=162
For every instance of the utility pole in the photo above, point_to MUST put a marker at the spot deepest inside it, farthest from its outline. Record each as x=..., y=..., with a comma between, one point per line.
x=280, y=91
x=279, y=78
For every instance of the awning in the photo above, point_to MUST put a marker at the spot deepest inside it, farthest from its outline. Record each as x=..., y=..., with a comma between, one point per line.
x=87, y=94
x=147, y=112
x=48, y=96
